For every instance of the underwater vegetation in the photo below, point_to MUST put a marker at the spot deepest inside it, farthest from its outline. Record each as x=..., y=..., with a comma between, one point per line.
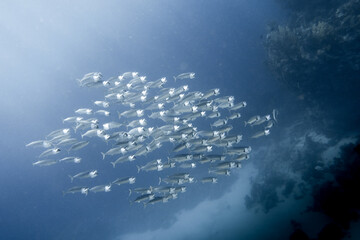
x=316, y=55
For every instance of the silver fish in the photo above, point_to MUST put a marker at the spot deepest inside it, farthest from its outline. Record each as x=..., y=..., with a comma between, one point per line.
x=42, y=163
x=189, y=75
x=49, y=152
x=78, y=146
x=71, y=159
x=87, y=174
x=82, y=190
x=261, y=133
x=101, y=188
x=119, y=181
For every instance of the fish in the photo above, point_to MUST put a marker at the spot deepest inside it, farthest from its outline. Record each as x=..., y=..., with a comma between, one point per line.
x=209, y=180
x=234, y=116
x=214, y=115
x=111, y=125
x=238, y=106
x=145, y=197
x=102, y=104
x=119, y=181
x=40, y=143
x=219, y=123
x=275, y=113
x=59, y=132
x=114, y=151
x=42, y=163
x=123, y=159
x=78, y=146
x=261, y=133
x=188, y=75
x=49, y=152
x=93, y=133
x=86, y=111
x=261, y=120
x=72, y=119
x=101, y=188
x=225, y=172
x=77, y=189
x=210, y=93
x=269, y=125
x=103, y=112
x=188, y=165
x=87, y=174
x=238, y=150
x=157, y=167
x=71, y=159
x=141, y=190
x=242, y=157
x=252, y=120
x=67, y=141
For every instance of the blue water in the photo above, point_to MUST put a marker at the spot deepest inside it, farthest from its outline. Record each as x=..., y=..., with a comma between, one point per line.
x=46, y=45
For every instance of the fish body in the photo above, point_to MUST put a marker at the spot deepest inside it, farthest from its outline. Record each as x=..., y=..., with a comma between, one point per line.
x=261, y=133
x=238, y=106
x=103, y=112
x=86, y=111
x=39, y=143
x=77, y=189
x=209, y=180
x=188, y=75
x=252, y=120
x=104, y=104
x=87, y=174
x=43, y=163
x=71, y=159
x=101, y=188
x=52, y=151
x=78, y=145
x=130, y=180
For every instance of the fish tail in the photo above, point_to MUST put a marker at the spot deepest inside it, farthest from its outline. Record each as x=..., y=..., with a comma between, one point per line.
x=138, y=168
x=82, y=135
x=113, y=163
x=144, y=204
x=245, y=123
x=64, y=193
x=103, y=155
x=72, y=178
x=174, y=78
x=159, y=180
x=129, y=192
x=119, y=114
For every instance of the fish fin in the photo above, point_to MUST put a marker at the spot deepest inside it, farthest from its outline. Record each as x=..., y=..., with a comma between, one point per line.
x=72, y=178
x=159, y=180
x=103, y=155
x=113, y=163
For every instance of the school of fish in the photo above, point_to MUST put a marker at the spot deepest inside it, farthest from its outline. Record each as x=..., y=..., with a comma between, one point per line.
x=145, y=116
